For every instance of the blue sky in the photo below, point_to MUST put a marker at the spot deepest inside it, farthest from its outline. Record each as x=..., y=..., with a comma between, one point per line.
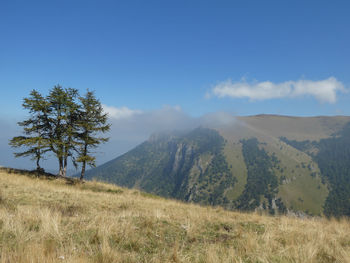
x=192, y=57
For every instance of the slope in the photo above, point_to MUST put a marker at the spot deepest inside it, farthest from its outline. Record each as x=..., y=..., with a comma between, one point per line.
x=216, y=164
x=298, y=189
x=189, y=166
x=45, y=220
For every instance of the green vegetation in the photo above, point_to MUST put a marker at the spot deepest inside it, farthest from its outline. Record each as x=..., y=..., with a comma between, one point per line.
x=295, y=181
x=235, y=160
x=213, y=182
x=91, y=120
x=332, y=157
x=306, y=188
x=164, y=165
x=300, y=145
x=261, y=181
x=35, y=141
x=62, y=123
x=222, y=167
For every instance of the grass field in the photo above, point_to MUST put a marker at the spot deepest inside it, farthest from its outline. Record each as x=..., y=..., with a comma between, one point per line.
x=48, y=220
x=303, y=191
x=235, y=160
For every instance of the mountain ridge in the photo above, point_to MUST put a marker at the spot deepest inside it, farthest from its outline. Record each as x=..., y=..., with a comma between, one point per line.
x=207, y=165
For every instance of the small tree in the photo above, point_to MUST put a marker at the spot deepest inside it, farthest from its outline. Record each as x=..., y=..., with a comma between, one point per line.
x=92, y=121
x=35, y=140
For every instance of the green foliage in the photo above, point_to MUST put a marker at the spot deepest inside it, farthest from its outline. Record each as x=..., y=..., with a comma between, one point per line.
x=163, y=165
x=192, y=167
x=261, y=181
x=35, y=141
x=214, y=181
x=333, y=160
x=299, y=145
x=205, y=140
x=91, y=121
x=332, y=157
x=60, y=124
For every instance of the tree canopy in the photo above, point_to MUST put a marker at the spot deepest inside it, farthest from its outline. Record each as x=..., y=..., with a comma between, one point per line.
x=63, y=123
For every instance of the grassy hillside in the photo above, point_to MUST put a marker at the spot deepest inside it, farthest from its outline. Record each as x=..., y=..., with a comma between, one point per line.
x=297, y=128
x=207, y=165
x=297, y=188
x=332, y=156
x=48, y=220
x=301, y=187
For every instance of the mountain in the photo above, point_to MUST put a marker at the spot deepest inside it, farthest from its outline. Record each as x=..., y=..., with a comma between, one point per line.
x=272, y=163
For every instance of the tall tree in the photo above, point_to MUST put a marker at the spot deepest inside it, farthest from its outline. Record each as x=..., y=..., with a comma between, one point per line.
x=92, y=120
x=35, y=141
x=62, y=124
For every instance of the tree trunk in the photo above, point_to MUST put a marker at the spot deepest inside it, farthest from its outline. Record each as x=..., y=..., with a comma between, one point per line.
x=82, y=171
x=65, y=167
x=37, y=164
x=60, y=173
x=84, y=163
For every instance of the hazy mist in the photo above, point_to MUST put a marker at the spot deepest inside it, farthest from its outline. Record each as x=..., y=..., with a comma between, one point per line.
x=126, y=132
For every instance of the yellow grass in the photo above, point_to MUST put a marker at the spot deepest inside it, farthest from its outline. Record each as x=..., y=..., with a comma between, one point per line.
x=49, y=221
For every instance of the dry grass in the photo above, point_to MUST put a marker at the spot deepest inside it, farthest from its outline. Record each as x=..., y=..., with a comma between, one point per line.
x=50, y=221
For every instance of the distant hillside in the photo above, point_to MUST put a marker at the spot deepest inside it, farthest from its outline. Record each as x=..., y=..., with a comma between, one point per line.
x=189, y=166
x=55, y=220
x=272, y=163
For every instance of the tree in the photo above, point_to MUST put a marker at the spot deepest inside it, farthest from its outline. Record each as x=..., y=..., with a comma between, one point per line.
x=35, y=141
x=61, y=125
x=92, y=121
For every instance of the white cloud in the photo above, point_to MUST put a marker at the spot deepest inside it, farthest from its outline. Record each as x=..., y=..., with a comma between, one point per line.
x=323, y=90
x=120, y=113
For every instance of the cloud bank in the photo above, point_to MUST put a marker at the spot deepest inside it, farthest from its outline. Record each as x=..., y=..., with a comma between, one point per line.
x=128, y=121
x=120, y=113
x=323, y=90
x=129, y=128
